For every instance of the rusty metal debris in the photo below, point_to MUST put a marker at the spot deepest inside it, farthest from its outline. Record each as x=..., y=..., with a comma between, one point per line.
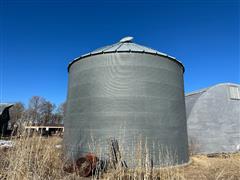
x=84, y=166
x=222, y=155
x=90, y=164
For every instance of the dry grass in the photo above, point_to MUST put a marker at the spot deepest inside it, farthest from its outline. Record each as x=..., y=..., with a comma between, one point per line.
x=38, y=158
x=31, y=158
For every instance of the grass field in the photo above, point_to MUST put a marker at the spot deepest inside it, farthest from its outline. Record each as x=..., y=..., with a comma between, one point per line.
x=38, y=158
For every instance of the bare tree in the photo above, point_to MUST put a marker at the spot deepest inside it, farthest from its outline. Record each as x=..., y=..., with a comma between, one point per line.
x=59, y=114
x=62, y=109
x=46, y=110
x=41, y=111
x=35, y=108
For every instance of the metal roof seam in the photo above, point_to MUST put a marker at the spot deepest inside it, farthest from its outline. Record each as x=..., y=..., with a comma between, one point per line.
x=170, y=58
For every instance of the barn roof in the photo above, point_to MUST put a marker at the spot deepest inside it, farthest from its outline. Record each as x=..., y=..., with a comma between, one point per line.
x=4, y=105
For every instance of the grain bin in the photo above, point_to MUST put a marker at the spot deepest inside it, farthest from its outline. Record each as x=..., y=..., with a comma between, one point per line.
x=130, y=93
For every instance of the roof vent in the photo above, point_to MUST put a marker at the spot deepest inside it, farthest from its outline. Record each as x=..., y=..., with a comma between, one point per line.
x=126, y=39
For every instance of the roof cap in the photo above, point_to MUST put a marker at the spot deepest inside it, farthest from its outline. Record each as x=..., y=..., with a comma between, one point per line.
x=126, y=39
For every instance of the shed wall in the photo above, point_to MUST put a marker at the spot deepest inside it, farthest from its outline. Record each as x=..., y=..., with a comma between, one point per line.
x=214, y=120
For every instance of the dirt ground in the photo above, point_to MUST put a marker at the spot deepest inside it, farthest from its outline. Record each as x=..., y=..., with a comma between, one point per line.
x=220, y=167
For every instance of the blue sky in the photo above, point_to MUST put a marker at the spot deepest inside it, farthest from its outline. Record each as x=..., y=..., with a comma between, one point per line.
x=39, y=38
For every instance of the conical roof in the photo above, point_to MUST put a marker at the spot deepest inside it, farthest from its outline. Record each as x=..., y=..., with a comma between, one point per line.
x=125, y=45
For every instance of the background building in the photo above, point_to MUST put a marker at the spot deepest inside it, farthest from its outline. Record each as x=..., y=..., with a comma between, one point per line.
x=4, y=117
x=213, y=117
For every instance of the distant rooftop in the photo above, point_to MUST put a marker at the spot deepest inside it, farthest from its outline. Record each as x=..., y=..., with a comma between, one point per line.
x=205, y=89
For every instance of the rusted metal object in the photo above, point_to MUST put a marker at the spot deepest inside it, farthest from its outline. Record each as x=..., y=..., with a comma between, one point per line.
x=90, y=164
x=84, y=166
x=93, y=159
x=221, y=155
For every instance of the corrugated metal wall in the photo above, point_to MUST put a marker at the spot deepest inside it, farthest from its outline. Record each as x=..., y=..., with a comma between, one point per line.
x=214, y=120
x=127, y=96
